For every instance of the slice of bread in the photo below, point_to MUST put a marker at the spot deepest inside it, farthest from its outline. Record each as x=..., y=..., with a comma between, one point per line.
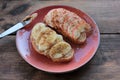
x=48, y=43
x=69, y=24
x=61, y=51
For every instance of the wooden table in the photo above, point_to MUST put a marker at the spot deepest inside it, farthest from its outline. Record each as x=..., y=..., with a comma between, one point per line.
x=105, y=65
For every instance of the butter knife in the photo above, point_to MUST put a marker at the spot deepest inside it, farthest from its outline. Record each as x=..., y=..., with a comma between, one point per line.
x=14, y=28
x=19, y=25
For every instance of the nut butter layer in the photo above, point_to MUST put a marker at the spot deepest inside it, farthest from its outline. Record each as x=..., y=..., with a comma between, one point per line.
x=50, y=44
x=69, y=24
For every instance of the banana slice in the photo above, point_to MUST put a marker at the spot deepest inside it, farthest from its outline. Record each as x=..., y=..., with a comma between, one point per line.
x=60, y=51
x=36, y=30
x=46, y=39
x=82, y=37
x=59, y=39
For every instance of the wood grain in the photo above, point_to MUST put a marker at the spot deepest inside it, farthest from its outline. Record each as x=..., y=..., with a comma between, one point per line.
x=106, y=13
x=104, y=64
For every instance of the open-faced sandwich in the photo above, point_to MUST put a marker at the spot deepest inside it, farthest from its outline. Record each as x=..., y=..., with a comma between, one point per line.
x=69, y=24
x=47, y=42
x=50, y=44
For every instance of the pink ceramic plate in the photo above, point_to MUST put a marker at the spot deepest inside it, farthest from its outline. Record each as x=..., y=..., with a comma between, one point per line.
x=83, y=53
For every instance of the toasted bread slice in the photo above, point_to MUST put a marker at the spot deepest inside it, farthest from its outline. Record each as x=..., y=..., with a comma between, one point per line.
x=61, y=52
x=42, y=38
x=46, y=42
x=68, y=24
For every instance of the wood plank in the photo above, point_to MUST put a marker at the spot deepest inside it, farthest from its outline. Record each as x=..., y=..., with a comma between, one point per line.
x=104, y=65
x=106, y=13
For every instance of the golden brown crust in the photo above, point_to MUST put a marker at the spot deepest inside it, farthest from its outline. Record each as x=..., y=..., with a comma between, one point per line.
x=69, y=24
x=47, y=42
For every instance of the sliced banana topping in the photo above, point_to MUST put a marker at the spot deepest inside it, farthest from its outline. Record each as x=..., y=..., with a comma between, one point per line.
x=67, y=23
x=82, y=37
x=76, y=34
x=35, y=31
x=48, y=43
x=82, y=28
x=57, y=55
x=60, y=49
x=59, y=39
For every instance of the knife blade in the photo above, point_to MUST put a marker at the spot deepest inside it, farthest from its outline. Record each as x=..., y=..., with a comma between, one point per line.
x=14, y=28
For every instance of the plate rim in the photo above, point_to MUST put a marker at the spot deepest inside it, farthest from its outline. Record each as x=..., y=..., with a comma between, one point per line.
x=64, y=71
